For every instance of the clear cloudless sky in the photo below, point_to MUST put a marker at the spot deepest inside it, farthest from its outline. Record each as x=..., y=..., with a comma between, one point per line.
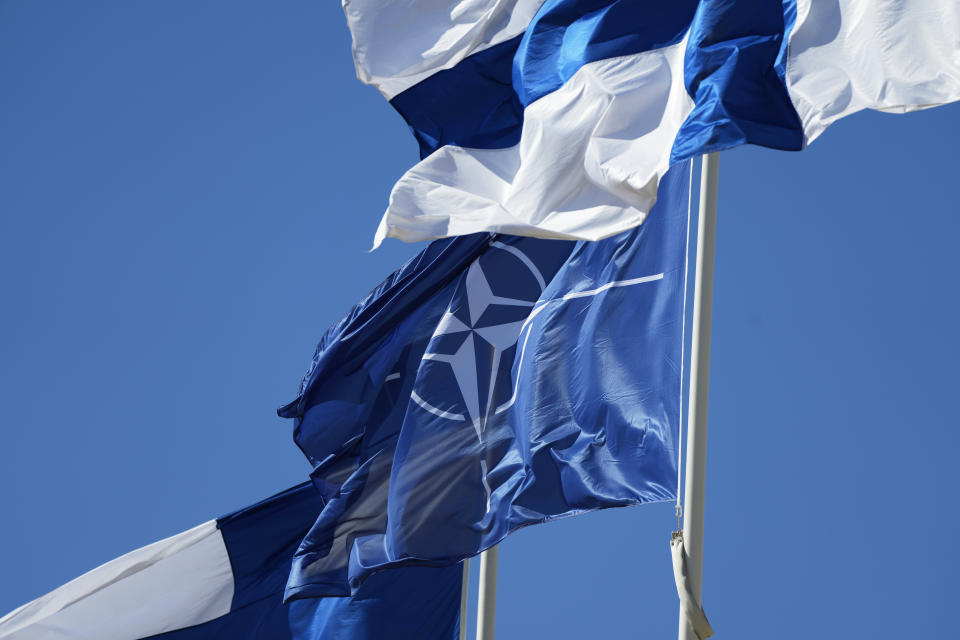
x=188, y=190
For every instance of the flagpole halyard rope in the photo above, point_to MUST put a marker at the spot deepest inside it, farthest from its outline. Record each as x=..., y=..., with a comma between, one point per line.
x=683, y=341
x=688, y=565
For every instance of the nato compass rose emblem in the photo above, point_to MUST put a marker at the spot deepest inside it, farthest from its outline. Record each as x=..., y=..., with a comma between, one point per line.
x=465, y=373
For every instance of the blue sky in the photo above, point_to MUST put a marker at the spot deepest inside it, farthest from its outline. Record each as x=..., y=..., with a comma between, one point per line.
x=187, y=194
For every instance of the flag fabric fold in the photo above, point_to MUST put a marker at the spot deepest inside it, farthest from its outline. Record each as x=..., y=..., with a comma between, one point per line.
x=225, y=579
x=491, y=383
x=558, y=118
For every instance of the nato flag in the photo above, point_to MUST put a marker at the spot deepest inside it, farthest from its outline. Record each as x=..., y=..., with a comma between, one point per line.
x=494, y=382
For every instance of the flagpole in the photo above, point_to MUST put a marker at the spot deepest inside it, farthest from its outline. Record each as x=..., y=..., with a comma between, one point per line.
x=464, y=597
x=487, y=596
x=696, y=463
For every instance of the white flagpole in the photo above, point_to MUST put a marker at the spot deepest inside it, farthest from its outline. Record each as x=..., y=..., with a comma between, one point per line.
x=464, y=598
x=693, y=503
x=487, y=596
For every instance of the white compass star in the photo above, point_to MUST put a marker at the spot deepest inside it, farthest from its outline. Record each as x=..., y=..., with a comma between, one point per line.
x=494, y=326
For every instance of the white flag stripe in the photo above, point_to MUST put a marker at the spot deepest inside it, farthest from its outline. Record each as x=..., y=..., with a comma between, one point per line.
x=178, y=582
x=889, y=55
x=398, y=43
x=587, y=166
x=592, y=152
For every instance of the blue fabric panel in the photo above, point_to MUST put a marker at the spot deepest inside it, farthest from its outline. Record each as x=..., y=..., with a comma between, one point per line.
x=372, y=326
x=789, y=20
x=413, y=602
x=265, y=619
x=348, y=413
x=567, y=34
x=261, y=541
x=496, y=401
x=596, y=413
x=470, y=105
x=416, y=602
x=358, y=509
x=357, y=514
x=479, y=102
x=734, y=70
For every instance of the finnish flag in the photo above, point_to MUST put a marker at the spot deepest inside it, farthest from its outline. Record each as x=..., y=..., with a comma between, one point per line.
x=558, y=118
x=491, y=383
x=225, y=579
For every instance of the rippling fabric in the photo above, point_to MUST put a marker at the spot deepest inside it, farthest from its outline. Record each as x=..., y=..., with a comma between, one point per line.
x=734, y=69
x=182, y=580
x=575, y=101
x=471, y=105
x=537, y=381
x=261, y=539
x=225, y=580
x=889, y=55
x=567, y=34
x=731, y=70
x=413, y=602
x=587, y=165
x=398, y=43
x=381, y=320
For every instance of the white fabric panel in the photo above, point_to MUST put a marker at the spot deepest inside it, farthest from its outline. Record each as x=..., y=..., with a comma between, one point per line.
x=587, y=165
x=174, y=583
x=398, y=43
x=890, y=55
